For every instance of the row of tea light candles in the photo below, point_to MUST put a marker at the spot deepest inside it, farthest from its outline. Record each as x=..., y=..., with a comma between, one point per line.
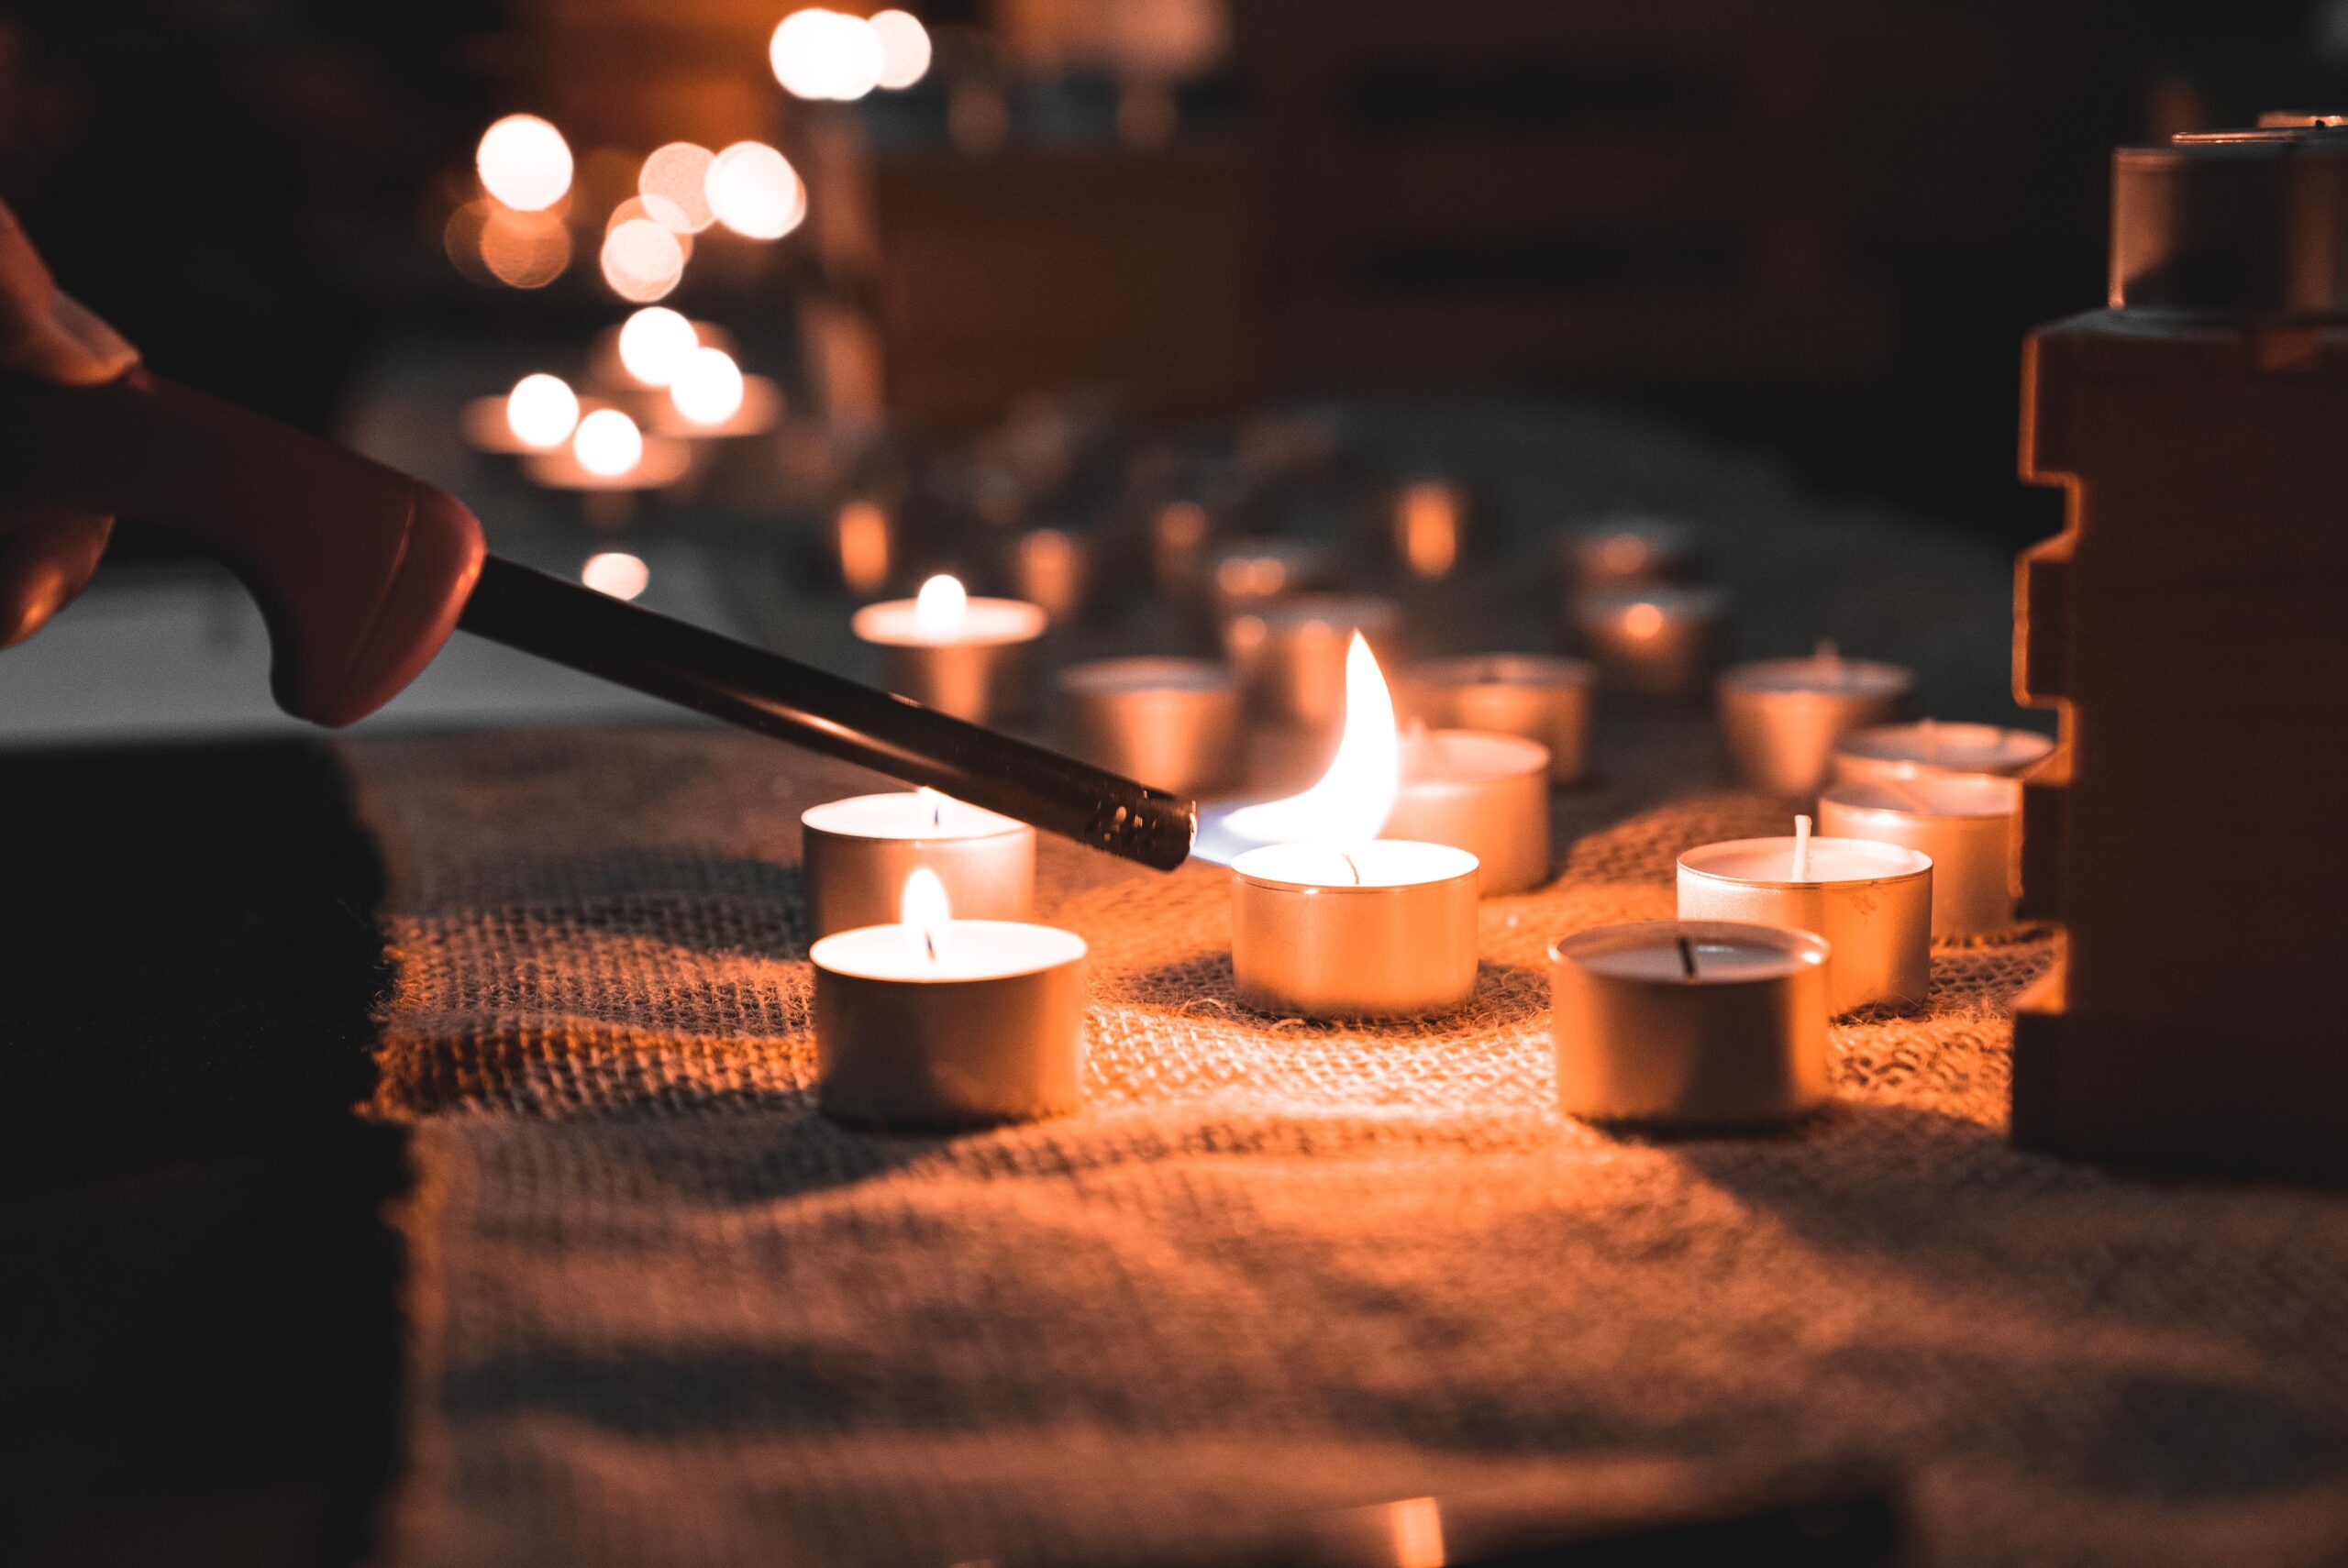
x=1718, y=1017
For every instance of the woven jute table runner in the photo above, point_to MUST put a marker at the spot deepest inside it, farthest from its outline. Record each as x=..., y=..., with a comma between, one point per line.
x=662, y=1311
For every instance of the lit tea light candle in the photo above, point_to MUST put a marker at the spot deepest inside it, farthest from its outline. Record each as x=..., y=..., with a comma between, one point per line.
x=709, y=397
x=1629, y=553
x=1290, y=654
x=856, y=853
x=962, y=656
x=1661, y=641
x=1248, y=574
x=1535, y=696
x=609, y=451
x=1929, y=746
x=1430, y=529
x=864, y=544
x=1782, y=717
x=1329, y=920
x=1690, y=1023
x=1872, y=902
x=1486, y=794
x=1173, y=723
x=537, y=415
x=1970, y=824
x=934, y=1023
x=1053, y=568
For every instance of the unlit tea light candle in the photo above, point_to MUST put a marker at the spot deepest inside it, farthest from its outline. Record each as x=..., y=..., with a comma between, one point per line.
x=1872, y=902
x=1690, y=1023
x=1377, y=930
x=1930, y=746
x=1660, y=641
x=1486, y=794
x=1053, y=570
x=1970, y=824
x=1533, y=696
x=1173, y=723
x=1291, y=654
x=962, y=656
x=857, y=854
x=1782, y=717
x=932, y=1024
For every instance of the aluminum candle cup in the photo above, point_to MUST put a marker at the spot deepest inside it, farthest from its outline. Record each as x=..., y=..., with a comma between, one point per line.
x=1052, y=569
x=1379, y=929
x=1904, y=751
x=858, y=853
x=979, y=670
x=1249, y=573
x=1486, y=794
x=1970, y=825
x=1291, y=654
x=1173, y=723
x=1872, y=902
x=1661, y=641
x=1690, y=1023
x=1536, y=696
x=987, y=1029
x=1628, y=552
x=1782, y=717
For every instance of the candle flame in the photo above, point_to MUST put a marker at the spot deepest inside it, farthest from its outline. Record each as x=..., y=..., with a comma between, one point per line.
x=607, y=443
x=1426, y=519
x=707, y=388
x=1417, y=1525
x=923, y=909
x=864, y=546
x=940, y=608
x=655, y=342
x=1643, y=620
x=523, y=162
x=1350, y=802
x=542, y=410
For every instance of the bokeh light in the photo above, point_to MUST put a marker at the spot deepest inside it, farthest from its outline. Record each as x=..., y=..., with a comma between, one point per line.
x=607, y=443
x=541, y=411
x=674, y=184
x=523, y=162
x=904, y=48
x=818, y=53
x=755, y=192
x=655, y=342
x=707, y=388
x=617, y=573
x=525, y=250
x=642, y=261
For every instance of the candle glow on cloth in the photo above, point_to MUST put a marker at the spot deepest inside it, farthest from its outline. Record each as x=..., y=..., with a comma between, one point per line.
x=938, y=1023
x=964, y=656
x=1872, y=902
x=855, y=853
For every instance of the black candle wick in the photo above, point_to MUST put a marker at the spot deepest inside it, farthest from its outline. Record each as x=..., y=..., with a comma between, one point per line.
x=1687, y=958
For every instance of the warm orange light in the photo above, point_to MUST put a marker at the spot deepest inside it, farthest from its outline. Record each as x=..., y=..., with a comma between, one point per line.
x=924, y=910
x=1352, y=799
x=1245, y=578
x=642, y=261
x=541, y=411
x=1426, y=522
x=708, y=387
x=818, y=53
x=617, y=573
x=1417, y=1524
x=655, y=342
x=523, y=162
x=864, y=546
x=904, y=48
x=1643, y=620
x=754, y=191
x=607, y=443
x=523, y=250
x=674, y=184
x=940, y=609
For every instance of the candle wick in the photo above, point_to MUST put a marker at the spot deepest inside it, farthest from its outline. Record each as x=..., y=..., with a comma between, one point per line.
x=1348, y=859
x=1801, y=849
x=1687, y=958
x=929, y=940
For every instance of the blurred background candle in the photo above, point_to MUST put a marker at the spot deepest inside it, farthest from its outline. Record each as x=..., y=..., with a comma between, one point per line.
x=1536, y=696
x=934, y=1023
x=1290, y=653
x=1930, y=746
x=1969, y=823
x=1780, y=717
x=1660, y=641
x=1872, y=902
x=537, y=415
x=1428, y=520
x=962, y=656
x=1052, y=568
x=1690, y=1023
x=1488, y=794
x=1629, y=553
x=1173, y=723
x=856, y=853
x=609, y=451
x=1248, y=574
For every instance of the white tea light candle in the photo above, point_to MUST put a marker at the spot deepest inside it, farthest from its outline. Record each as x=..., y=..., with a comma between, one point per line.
x=1659, y=641
x=1484, y=793
x=1872, y=902
x=1535, y=696
x=1173, y=723
x=1690, y=1023
x=932, y=1024
x=857, y=854
x=1930, y=745
x=1377, y=930
x=1970, y=824
x=1782, y=717
x=962, y=655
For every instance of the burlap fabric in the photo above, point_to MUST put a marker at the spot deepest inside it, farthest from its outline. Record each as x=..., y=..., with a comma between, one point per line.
x=662, y=1311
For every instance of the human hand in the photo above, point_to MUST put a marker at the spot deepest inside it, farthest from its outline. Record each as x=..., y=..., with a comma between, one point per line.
x=46, y=555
